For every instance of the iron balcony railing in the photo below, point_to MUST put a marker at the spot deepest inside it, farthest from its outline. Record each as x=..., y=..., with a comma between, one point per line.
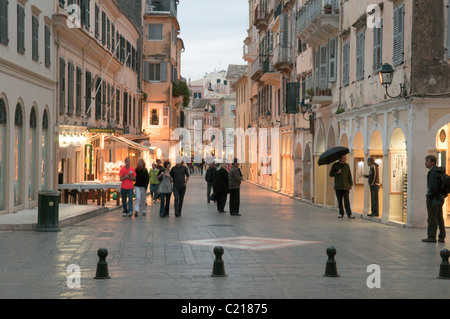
x=313, y=9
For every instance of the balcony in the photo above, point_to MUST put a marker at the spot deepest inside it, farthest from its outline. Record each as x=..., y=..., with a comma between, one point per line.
x=270, y=75
x=318, y=91
x=256, y=70
x=282, y=58
x=166, y=7
x=260, y=18
x=318, y=21
x=249, y=49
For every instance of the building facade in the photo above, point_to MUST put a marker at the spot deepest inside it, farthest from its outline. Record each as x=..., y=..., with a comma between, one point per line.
x=333, y=55
x=163, y=112
x=27, y=102
x=98, y=94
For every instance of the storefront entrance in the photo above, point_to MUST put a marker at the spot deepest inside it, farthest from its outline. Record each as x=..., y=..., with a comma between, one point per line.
x=443, y=160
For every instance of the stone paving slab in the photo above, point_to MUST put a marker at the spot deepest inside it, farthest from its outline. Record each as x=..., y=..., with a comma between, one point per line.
x=157, y=258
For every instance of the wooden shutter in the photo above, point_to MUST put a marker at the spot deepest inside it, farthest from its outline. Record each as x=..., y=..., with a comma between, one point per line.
x=47, y=46
x=70, y=89
x=88, y=94
x=292, y=97
x=20, y=29
x=448, y=30
x=332, y=55
x=103, y=27
x=62, y=86
x=35, y=38
x=346, y=64
x=163, y=72
x=377, y=47
x=4, y=22
x=78, y=92
x=360, y=51
x=323, y=66
x=98, y=100
x=399, y=24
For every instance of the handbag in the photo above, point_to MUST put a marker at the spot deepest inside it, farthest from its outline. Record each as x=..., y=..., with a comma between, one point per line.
x=213, y=197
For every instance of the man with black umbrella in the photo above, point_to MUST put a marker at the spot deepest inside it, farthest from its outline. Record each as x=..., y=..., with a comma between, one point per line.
x=343, y=183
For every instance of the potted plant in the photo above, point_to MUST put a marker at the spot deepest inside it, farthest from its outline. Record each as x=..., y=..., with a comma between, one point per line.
x=327, y=8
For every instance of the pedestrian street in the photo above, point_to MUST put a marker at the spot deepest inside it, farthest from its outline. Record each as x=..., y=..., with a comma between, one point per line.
x=276, y=249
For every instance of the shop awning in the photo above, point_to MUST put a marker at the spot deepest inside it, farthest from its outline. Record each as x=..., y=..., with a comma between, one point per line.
x=132, y=144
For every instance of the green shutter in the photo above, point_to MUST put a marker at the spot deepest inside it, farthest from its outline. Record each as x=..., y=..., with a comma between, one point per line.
x=292, y=97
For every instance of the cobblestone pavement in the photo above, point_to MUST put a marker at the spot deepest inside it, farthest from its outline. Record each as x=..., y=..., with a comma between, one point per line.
x=162, y=258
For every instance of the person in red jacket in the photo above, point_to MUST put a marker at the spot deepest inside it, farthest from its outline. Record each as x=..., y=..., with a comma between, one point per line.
x=127, y=177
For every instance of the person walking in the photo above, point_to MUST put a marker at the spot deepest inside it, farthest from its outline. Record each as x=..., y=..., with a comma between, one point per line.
x=127, y=177
x=154, y=182
x=141, y=186
x=165, y=189
x=220, y=187
x=435, y=200
x=374, y=184
x=209, y=178
x=180, y=176
x=234, y=182
x=343, y=183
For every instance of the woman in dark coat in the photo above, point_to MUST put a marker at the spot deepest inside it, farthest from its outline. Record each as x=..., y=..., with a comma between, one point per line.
x=221, y=187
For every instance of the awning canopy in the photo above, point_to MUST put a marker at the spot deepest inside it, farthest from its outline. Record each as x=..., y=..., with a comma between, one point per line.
x=133, y=144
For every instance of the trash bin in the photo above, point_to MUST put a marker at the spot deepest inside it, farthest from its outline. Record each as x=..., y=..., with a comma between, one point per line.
x=48, y=211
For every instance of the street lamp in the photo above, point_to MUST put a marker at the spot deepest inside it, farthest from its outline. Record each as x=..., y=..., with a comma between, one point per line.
x=269, y=118
x=386, y=75
x=306, y=108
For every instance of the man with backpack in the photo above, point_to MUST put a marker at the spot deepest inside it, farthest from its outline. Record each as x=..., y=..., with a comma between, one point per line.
x=435, y=199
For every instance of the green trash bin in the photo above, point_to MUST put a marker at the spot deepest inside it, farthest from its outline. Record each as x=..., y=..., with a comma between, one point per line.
x=48, y=211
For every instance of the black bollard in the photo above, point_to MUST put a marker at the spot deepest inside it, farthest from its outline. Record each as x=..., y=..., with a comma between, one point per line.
x=444, y=270
x=331, y=268
x=218, y=268
x=102, y=265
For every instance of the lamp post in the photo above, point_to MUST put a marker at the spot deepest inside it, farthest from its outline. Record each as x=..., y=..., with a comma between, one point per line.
x=386, y=75
x=306, y=108
x=269, y=118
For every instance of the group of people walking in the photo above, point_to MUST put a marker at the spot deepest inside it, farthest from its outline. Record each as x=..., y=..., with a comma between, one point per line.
x=163, y=180
x=223, y=182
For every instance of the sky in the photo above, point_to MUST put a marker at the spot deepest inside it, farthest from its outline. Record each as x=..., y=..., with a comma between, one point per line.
x=213, y=32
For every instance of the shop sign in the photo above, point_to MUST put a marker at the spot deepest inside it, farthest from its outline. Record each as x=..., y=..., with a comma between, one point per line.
x=101, y=130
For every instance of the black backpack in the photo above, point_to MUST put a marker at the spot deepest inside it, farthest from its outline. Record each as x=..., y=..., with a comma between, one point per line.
x=445, y=184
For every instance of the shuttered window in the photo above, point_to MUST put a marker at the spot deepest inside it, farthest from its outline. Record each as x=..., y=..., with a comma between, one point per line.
x=20, y=29
x=103, y=27
x=88, y=93
x=98, y=99
x=346, y=64
x=292, y=97
x=448, y=30
x=155, y=32
x=4, y=22
x=78, y=92
x=86, y=13
x=47, y=47
x=360, y=52
x=70, y=89
x=399, y=27
x=332, y=50
x=62, y=86
x=377, y=47
x=155, y=71
x=35, y=38
x=97, y=21
x=117, y=106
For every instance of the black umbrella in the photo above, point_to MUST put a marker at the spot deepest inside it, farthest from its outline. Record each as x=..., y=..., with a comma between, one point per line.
x=332, y=155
